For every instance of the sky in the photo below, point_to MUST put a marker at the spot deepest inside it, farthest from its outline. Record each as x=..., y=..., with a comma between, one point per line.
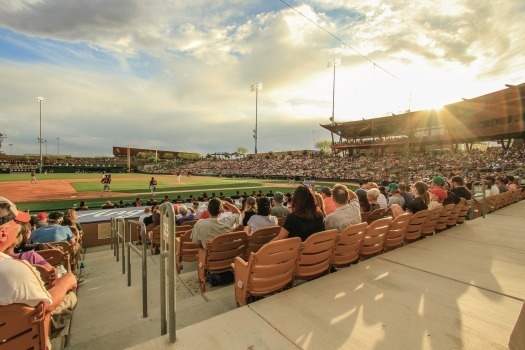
x=176, y=74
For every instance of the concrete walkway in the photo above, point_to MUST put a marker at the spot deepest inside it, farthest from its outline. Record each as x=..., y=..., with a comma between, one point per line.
x=462, y=288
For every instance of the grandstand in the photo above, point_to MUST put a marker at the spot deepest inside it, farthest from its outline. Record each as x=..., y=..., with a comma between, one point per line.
x=497, y=116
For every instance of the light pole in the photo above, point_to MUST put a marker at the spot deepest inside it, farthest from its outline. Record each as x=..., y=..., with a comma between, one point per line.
x=11, y=147
x=58, y=145
x=45, y=142
x=40, y=99
x=256, y=88
x=332, y=63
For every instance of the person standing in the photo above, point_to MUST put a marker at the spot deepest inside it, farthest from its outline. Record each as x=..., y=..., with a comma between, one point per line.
x=153, y=186
x=106, y=181
x=33, y=177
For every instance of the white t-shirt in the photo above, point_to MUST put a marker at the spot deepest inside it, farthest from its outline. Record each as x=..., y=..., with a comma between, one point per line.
x=21, y=283
x=381, y=200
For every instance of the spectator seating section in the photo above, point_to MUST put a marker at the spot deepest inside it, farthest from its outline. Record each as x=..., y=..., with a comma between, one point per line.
x=185, y=249
x=464, y=212
x=375, y=215
x=266, y=271
x=441, y=223
x=56, y=257
x=47, y=276
x=416, y=225
x=454, y=214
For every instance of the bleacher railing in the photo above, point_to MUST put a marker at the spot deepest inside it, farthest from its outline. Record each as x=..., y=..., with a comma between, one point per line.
x=142, y=253
x=118, y=235
x=167, y=252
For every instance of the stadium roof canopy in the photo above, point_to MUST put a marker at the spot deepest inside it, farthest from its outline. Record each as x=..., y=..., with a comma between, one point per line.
x=494, y=116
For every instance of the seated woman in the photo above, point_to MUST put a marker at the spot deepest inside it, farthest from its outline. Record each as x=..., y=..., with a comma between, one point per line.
x=420, y=202
x=364, y=204
x=249, y=209
x=305, y=218
x=262, y=218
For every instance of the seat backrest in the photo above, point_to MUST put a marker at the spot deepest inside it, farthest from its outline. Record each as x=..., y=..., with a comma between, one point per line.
x=364, y=216
x=54, y=257
x=188, y=249
x=430, y=222
x=464, y=211
x=315, y=254
x=260, y=237
x=47, y=276
x=375, y=215
x=453, y=217
x=222, y=250
x=374, y=239
x=22, y=327
x=348, y=245
x=441, y=223
x=395, y=236
x=273, y=266
x=184, y=227
x=416, y=224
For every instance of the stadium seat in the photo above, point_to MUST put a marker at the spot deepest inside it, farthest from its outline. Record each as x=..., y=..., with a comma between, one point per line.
x=47, y=276
x=415, y=226
x=56, y=257
x=454, y=214
x=348, y=245
x=395, y=236
x=429, y=226
x=441, y=224
x=374, y=239
x=70, y=250
x=185, y=249
x=219, y=254
x=23, y=327
x=260, y=237
x=375, y=215
x=315, y=254
x=267, y=271
x=464, y=212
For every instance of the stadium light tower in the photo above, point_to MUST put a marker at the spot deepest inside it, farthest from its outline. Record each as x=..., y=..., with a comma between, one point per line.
x=58, y=145
x=256, y=87
x=332, y=63
x=40, y=99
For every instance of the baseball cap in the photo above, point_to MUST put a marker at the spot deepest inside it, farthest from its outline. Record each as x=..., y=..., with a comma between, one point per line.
x=20, y=216
x=278, y=197
x=439, y=192
x=392, y=186
x=42, y=215
x=438, y=180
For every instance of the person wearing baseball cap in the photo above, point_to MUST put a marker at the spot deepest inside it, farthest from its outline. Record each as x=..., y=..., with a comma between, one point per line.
x=439, y=182
x=21, y=283
x=278, y=209
x=41, y=219
x=437, y=196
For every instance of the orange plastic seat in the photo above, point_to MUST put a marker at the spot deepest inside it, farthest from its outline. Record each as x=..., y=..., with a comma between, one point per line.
x=454, y=214
x=375, y=215
x=22, y=327
x=374, y=239
x=416, y=225
x=364, y=216
x=395, y=236
x=348, y=245
x=56, y=257
x=441, y=224
x=260, y=237
x=464, y=212
x=47, y=276
x=315, y=254
x=267, y=271
x=219, y=254
x=185, y=250
x=69, y=249
x=429, y=226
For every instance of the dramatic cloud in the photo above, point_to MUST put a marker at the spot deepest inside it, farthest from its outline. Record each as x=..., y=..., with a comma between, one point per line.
x=176, y=75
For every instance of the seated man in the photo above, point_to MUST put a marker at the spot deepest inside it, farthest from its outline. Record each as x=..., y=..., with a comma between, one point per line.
x=20, y=282
x=348, y=211
x=278, y=209
x=53, y=232
x=205, y=230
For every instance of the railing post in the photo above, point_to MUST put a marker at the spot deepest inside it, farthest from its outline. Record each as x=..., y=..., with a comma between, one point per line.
x=144, y=273
x=167, y=222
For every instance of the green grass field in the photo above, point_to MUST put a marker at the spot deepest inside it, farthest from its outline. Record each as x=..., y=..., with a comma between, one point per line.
x=136, y=185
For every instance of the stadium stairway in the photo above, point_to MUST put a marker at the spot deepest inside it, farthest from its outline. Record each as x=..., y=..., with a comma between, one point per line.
x=109, y=313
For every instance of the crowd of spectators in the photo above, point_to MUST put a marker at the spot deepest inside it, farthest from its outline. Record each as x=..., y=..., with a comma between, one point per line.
x=363, y=168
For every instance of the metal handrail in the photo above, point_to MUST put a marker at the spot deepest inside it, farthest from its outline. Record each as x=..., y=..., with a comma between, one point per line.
x=118, y=226
x=167, y=224
x=142, y=254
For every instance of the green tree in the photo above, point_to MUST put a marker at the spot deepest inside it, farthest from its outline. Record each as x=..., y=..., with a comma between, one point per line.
x=242, y=150
x=167, y=156
x=324, y=145
x=270, y=153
